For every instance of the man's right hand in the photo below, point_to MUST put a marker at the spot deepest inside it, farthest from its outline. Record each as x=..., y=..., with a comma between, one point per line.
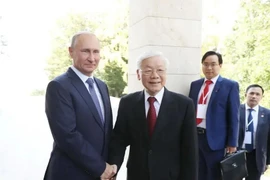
x=109, y=172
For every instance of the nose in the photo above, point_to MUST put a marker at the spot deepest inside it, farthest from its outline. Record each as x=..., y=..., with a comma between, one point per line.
x=154, y=74
x=91, y=57
x=254, y=96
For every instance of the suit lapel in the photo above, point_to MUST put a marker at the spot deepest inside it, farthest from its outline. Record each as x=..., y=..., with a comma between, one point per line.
x=140, y=116
x=260, y=123
x=242, y=122
x=79, y=85
x=197, y=91
x=106, y=101
x=162, y=119
x=216, y=89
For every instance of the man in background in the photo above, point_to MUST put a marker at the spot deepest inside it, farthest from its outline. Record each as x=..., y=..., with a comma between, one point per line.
x=254, y=132
x=217, y=103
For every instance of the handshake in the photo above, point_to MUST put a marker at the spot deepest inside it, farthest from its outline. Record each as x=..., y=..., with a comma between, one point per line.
x=109, y=172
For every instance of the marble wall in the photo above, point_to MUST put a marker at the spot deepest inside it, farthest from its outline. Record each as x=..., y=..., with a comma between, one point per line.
x=172, y=27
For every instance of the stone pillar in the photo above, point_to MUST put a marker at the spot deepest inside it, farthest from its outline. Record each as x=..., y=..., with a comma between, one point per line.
x=172, y=27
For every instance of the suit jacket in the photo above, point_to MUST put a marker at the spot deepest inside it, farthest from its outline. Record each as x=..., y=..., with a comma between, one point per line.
x=80, y=146
x=171, y=153
x=262, y=141
x=222, y=112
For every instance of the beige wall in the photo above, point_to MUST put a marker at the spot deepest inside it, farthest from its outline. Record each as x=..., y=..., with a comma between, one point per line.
x=172, y=27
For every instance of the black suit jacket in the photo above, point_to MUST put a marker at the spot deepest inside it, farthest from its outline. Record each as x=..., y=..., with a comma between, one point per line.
x=262, y=140
x=171, y=153
x=81, y=141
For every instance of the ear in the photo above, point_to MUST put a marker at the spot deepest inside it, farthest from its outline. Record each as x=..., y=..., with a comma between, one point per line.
x=138, y=74
x=70, y=50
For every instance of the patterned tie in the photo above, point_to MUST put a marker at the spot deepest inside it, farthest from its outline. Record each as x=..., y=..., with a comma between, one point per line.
x=151, y=115
x=203, y=97
x=93, y=94
x=250, y=128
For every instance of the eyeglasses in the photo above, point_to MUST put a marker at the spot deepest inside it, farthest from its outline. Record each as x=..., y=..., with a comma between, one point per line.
x=206, y=65
x=151, y=71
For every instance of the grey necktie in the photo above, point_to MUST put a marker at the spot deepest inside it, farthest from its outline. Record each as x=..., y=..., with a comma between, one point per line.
x=93, y=94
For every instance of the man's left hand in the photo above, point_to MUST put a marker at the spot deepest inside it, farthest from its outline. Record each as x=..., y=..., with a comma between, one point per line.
x=114, y=171
x=113, y=178
x=230, y=150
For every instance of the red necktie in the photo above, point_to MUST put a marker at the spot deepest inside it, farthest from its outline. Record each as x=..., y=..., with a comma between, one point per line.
x=151, y=115
x=203, y=97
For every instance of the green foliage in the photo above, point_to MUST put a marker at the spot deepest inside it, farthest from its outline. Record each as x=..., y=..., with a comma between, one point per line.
x=246, y=52
x=59, y=60
x=112, y=30
x=113, y=76
x=114, y=38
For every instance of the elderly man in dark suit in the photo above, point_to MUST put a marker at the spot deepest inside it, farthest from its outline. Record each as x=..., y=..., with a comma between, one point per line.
x=254, y=132
x=80, y=118
x=159, y=125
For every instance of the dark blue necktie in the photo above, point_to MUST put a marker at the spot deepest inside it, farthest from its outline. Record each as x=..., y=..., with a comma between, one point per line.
x=250, y=128
x=93, y=94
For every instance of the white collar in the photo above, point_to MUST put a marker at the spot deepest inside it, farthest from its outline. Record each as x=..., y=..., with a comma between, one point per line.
x=256, y=108
x=81, y=75
x=214, y=80
x=158, y=96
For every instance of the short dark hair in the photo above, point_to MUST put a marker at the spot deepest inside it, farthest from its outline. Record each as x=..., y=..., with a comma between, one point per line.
x=253, y=86
x=211, y=53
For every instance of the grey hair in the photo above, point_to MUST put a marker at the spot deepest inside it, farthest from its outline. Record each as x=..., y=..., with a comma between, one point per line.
x=150, y=54
x=75, y=37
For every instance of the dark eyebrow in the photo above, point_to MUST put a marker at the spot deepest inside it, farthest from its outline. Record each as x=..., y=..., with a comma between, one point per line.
x=88, y=50
x=210, y=63
x=85, y=50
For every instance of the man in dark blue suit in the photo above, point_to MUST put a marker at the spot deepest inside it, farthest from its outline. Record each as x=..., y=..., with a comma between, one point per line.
x=254, y=132
x=80, y=117
x=217, y=103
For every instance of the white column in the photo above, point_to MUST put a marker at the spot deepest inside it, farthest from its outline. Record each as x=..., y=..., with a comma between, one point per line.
x=172, y=27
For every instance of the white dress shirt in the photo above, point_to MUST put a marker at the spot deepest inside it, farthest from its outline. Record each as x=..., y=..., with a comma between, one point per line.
x=211, y=87
x=157, y=103
x=254, y=114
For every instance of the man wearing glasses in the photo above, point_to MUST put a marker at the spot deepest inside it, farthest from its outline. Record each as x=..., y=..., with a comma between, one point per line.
x=158, y=125
x=217, y=102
